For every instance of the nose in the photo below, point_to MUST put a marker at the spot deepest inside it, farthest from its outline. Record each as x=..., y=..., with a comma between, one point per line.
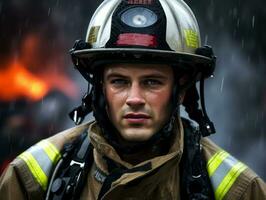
x=135, y=96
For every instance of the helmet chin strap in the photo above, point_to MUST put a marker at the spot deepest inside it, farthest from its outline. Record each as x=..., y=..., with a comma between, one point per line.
x=79, y=113
x=194, y=112
x=192, y=97
x=206, y=126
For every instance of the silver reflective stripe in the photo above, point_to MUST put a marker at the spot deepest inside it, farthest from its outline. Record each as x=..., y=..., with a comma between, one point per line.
x=40, y=159
x=223, y=170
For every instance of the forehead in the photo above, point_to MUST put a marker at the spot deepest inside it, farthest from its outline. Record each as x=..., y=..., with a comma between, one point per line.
x=132, y=69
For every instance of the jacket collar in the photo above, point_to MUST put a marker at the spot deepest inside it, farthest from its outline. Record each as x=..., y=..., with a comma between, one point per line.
x=103, y=149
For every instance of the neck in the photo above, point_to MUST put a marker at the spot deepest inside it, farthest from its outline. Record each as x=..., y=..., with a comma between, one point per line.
x=140, y=156
x=147, y=152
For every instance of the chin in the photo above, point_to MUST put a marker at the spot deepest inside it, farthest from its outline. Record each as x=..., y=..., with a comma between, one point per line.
x=136, y=135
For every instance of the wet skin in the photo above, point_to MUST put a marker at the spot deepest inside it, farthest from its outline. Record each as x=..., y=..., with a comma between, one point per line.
x=138, y=98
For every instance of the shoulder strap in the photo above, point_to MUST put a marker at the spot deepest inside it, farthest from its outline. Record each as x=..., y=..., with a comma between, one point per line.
x=71, y=171
x=195, y=183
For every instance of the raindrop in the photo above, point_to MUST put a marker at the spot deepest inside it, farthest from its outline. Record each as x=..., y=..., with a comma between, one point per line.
x=253, y=21
x=49, y=12
x=42, y=102
x=242, y=43
x=222, y=85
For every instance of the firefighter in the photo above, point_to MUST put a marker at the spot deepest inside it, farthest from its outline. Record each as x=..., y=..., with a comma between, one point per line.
x=142, y=59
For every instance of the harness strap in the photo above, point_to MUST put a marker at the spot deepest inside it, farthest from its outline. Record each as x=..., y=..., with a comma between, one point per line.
x=71, y=171
x=195, y=182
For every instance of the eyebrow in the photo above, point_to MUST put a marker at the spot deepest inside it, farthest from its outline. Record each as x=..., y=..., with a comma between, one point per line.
x=115, y=75
x=119, y=75
x=159, y=76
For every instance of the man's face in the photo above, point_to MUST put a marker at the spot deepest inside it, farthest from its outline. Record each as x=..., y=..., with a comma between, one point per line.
x=138, y=98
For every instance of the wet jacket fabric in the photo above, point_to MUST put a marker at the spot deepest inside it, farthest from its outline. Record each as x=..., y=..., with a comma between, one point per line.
x=157, y=178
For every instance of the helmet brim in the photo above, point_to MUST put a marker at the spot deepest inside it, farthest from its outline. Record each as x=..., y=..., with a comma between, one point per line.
x=90, y=59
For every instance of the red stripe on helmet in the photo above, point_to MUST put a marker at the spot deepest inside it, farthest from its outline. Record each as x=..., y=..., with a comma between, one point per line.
x=143, y=2
x=137, y=39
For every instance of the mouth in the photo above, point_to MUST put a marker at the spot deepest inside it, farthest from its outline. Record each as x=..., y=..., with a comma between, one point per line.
x=136, y=118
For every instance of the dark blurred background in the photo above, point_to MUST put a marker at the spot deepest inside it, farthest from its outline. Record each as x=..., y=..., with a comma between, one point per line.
x=39, y=87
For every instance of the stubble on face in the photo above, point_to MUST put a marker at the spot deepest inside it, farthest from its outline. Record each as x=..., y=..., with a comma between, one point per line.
x=138, y=98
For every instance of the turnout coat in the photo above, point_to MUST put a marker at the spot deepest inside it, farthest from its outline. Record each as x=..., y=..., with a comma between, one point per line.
x=28, y=175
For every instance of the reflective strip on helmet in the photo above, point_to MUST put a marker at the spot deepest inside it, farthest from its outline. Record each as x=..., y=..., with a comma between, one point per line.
x=145, y=2
x=40, y=159
x=223, y=170
x=93, y=34
x=137, y=39
x=192, y=38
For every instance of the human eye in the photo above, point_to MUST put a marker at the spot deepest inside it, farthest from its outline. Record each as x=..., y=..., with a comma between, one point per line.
x=119, y=82
x=152, y=82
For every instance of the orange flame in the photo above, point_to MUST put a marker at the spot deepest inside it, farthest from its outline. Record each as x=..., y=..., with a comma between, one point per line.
x=16, y=82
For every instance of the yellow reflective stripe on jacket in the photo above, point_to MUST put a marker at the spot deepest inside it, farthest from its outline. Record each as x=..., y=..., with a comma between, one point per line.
x=40, y=159
x=228, y=181
x=223, y=170
x=50, y=150
x=35, y=169
x=215, y=161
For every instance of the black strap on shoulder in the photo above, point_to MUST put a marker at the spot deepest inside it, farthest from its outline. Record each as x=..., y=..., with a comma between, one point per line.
x=71, y=171
x=195, y=182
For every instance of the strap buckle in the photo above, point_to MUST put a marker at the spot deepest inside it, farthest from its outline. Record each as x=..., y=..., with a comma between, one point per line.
x=80, y=164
